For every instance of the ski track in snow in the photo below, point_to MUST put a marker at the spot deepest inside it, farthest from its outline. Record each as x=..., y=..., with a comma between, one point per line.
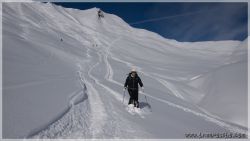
x=126, y=126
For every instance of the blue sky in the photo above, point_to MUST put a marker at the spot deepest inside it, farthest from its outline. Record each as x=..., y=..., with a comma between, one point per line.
x=181, y=21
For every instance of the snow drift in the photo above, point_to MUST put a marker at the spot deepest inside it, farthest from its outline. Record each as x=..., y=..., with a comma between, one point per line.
x=64, y=69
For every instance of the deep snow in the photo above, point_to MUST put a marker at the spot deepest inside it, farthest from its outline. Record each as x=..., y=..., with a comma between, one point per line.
x=73, y=88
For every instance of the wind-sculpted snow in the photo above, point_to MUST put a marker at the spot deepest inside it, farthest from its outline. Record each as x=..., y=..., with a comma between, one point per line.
x=64, y=70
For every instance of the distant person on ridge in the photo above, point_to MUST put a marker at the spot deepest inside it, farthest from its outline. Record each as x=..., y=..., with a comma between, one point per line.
x=131, y=84
x=100, y=14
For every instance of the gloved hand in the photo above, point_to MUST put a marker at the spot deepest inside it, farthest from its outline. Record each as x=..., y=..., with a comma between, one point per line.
x=124, y=89
x=142, y=88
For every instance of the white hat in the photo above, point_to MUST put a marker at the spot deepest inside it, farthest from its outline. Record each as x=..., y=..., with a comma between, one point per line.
x=133, y=70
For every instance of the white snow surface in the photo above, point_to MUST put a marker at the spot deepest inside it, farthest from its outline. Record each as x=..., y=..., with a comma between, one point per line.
x=74, y=88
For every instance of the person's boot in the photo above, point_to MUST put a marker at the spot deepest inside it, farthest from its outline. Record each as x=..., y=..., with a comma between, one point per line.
x=130, y=101
x=137, y=104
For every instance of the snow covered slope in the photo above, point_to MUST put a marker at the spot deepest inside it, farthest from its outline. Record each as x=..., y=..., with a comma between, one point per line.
x=64, y=69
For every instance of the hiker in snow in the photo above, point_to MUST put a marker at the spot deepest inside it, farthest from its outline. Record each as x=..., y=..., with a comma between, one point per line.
x=131, y=84
x=61, y=39
x=100, y=14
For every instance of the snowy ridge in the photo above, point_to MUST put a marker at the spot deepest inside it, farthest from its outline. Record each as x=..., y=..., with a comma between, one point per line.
x=73, y=88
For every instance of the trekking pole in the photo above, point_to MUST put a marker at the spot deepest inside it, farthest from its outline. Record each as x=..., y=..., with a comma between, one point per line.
x=123, y=97
x=146, y=99
x=145, y=96
x=149, y=106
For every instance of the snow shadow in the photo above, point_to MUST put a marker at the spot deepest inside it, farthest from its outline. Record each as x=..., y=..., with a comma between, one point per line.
x=83, y=96
x=145, y=105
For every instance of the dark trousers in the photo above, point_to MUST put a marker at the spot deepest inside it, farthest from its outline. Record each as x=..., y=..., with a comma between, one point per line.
x=133, y=93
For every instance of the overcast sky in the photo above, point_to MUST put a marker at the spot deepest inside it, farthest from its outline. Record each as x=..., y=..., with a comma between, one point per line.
x=181, y=21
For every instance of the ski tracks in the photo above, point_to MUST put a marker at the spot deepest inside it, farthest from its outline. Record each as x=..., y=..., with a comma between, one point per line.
x=98, y=113
x=107, y=53
x=116, y=126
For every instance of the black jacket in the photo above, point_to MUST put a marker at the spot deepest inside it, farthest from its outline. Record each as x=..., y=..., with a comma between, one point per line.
x=132, y=82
